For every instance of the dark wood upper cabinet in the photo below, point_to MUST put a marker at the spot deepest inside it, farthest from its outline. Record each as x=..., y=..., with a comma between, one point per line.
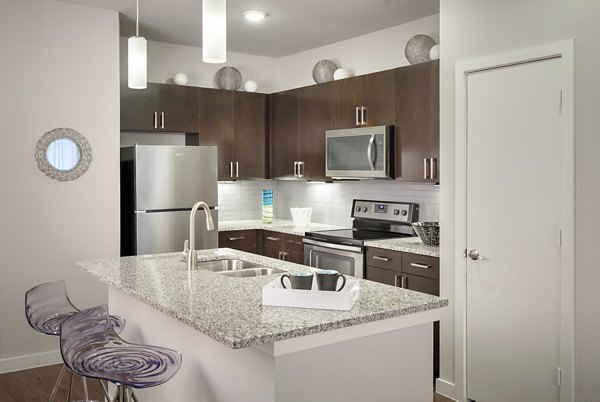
x=159, y=107
x=417, y=122
x=366, y=100
x=250, y=124
x=235, y=122
x=283, y=128
x=178, y=108
x=139, y=108
x=216, y=126
x=315, y=116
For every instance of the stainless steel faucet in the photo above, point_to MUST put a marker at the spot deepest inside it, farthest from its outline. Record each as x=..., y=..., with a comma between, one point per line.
x=192, y=256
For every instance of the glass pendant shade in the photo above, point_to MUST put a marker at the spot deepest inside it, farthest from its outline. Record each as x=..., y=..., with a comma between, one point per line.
x=137, y=63
x=214, y=31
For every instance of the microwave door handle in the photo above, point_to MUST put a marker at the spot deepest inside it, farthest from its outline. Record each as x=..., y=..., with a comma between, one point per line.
x=370, y=152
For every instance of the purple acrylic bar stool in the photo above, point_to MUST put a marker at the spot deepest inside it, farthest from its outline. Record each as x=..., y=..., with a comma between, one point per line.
x=91, y=348
x=46, y=307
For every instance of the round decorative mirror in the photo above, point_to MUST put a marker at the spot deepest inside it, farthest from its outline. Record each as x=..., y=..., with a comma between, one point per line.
x=63, y=154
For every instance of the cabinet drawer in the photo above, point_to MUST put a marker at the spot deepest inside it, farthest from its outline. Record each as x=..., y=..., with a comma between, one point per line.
x=421, y=284
x=383, y=276
x=293, y=256
x=273, y=239
x=235, y=238
x=382, y=258
x=293, y=243
x=421, y=265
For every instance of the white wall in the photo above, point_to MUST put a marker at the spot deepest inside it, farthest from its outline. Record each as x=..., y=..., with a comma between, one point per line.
x=365, y=54
x=331, y=202
x=167, y=59
x=473, y=28
x=377, y=51
x=59, y=68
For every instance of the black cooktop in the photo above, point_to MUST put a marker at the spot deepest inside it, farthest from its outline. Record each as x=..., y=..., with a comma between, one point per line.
x=350, y=236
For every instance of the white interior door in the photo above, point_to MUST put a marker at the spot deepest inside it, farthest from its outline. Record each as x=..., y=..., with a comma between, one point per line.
x=513, y=220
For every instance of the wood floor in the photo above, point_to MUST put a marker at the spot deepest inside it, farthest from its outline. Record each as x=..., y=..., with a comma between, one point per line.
x=35, y=385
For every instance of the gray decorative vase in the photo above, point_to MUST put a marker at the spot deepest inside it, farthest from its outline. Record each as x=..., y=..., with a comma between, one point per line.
x=228, y=78
x=323, y=71
x=417, y=49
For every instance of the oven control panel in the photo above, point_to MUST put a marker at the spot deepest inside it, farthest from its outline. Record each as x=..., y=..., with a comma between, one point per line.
x=385, y=211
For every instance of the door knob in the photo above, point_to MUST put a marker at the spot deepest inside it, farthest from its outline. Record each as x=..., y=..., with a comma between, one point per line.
x=474, y=254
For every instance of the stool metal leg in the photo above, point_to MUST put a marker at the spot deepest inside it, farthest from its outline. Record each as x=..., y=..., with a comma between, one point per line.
x=85, y=389
x=70, y=387
x=124, y=394
x=58, y=381
x=107, y=397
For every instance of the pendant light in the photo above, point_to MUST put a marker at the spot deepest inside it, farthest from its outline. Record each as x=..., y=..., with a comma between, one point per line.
x=137, y=59
x=214, y=31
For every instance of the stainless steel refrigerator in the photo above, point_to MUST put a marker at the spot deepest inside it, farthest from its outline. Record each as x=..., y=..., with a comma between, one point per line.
x=159, y=187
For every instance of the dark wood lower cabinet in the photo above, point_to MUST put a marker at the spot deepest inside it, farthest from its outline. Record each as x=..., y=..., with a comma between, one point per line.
x=281, y=246
x=409, y=271
x=243, y=240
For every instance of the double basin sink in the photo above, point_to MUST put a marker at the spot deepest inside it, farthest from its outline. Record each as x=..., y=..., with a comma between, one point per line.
x=237, y=268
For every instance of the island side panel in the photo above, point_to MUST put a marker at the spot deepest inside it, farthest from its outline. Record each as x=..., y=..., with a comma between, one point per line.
x=392, y=366
x=210, y=371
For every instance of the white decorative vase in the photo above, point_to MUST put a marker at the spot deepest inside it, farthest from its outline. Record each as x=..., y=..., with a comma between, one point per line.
x=180, y=79
x=340, y=74
x=250, y=86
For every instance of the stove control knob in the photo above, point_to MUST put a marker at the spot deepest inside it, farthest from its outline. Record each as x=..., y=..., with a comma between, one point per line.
x=357, y=209
x=365, y=209
x=404, y=212
x=396, y=212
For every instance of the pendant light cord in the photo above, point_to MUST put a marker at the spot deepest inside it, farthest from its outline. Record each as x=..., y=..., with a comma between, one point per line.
x=137, y=18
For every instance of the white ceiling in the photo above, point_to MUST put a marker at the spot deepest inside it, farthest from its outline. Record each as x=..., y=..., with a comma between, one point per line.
x=292, y=25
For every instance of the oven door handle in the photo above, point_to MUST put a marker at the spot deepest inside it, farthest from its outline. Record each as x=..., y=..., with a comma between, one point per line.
x=333, y=246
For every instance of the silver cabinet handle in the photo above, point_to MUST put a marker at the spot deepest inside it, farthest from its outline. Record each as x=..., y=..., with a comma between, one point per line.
x=282, y=255
x=155, y=120
x=432, y=170
x=310, y=254
x=300, y=169
x=237, y=169
x=231, y=169
x=474, y=255
x=356, y=115
x=370, y=151
x=425, y=169
x=295, y=169
x=363, y=112
x=396, y=277
x=404, y=282
x=376, y=257
x=417, y=265
x=236, y=238
x=272, y=238
x=162, y=120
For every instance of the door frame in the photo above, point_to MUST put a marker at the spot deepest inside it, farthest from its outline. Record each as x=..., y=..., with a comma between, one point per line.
x=564, y=50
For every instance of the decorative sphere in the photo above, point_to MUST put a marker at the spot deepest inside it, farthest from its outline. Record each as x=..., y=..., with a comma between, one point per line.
x=180, y=79
x=228, y=78
x=340, y=74
x=417, y=49
x=434, y=53
x=250, y=86
x=323, y=71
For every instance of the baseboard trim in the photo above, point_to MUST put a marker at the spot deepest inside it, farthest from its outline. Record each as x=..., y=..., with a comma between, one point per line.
x=29, y=361
x=445, y=388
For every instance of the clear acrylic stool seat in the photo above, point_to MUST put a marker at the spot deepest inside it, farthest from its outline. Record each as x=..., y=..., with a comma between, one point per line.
x=91, y=348
x=46, y=307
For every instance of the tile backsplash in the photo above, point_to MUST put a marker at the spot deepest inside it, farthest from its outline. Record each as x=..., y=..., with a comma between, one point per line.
x=331, y=202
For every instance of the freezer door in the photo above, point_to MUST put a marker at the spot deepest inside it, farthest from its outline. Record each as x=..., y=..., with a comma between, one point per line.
x=174, y=177
x=165, y=232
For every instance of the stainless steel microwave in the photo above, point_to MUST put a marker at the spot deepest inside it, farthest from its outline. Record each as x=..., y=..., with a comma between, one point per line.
x=356, y=153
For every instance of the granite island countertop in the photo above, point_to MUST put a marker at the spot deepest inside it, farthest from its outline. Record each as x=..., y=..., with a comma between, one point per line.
x=278, y=225
x=229, y=309
x=412, y=245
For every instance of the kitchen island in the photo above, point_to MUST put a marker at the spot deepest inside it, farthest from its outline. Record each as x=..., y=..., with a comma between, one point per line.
x=235, y=349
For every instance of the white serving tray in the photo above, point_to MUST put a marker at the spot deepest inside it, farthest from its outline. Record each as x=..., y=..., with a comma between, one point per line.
x=273, y=294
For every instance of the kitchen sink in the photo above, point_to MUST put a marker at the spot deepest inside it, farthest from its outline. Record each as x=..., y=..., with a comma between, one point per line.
x=251, y=272
x=226, y=265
